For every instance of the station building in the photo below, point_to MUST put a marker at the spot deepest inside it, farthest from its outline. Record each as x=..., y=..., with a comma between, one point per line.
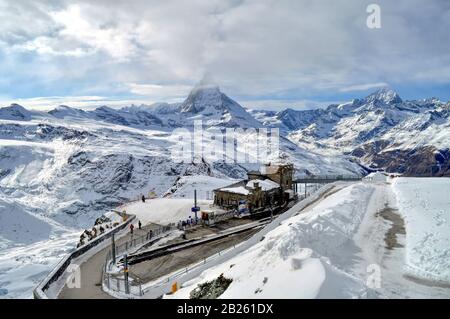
x=272, y=185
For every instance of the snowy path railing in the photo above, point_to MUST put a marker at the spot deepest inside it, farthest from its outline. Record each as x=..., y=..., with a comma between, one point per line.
x=135, y=243
x=114, y=282
x=40, y=291
x=183, y=271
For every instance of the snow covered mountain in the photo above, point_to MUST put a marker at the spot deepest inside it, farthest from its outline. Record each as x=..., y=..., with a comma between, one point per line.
x=208, y=103
x=18, y=112
x=380, y=131
x=205, y=102
x=59, y=170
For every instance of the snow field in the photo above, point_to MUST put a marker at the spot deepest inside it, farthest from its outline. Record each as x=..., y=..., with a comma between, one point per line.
x=164, y=210
x=425, y=205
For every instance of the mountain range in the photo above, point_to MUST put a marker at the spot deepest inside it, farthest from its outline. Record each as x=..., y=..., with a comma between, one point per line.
x=61, y=169
x=380, y=131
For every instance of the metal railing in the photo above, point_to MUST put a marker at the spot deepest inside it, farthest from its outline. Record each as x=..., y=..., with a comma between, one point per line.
x=137, y=242
x=40, y=291
x=115, y=282
x=193, y=266
x=325, y=178
x=118, y=284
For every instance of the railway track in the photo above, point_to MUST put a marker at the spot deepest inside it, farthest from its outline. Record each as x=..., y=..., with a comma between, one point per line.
x=175, y=247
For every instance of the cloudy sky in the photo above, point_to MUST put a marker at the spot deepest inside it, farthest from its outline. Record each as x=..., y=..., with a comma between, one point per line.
x=263, y=53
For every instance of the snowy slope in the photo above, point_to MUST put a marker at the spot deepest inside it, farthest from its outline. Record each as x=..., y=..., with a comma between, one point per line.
x=301, y=257
x=341, y=247
x=204, y=185
x=57, y=177
x=425, y=205
x=164, y=211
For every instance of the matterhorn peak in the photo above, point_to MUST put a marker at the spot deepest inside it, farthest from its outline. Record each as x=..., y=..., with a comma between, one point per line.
x=205, y=94
x=207, y=102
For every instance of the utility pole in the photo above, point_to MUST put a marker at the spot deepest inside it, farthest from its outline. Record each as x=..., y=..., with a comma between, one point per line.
x=195, y=204
x=305, y=189
x=125, y=272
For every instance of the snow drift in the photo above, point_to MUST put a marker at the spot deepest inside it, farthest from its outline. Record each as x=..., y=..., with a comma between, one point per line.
x=301, y=258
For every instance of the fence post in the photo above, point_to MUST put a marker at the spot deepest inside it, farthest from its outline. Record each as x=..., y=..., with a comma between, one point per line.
x=125, y=270
x=113, y=249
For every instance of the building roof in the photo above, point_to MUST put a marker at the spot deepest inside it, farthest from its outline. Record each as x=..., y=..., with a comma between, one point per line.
x=236, y=190
x=266, y=185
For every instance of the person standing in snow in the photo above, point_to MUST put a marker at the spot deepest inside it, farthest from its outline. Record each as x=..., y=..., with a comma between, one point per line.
x=139, y=224
x=143, y=198
x=131, y=229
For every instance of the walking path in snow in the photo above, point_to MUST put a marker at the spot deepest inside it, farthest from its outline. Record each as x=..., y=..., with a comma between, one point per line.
x=91, y=270
x=382, y=238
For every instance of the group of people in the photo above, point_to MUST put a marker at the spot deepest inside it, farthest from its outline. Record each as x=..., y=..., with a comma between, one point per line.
x=182, y=224
x=88, y=235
